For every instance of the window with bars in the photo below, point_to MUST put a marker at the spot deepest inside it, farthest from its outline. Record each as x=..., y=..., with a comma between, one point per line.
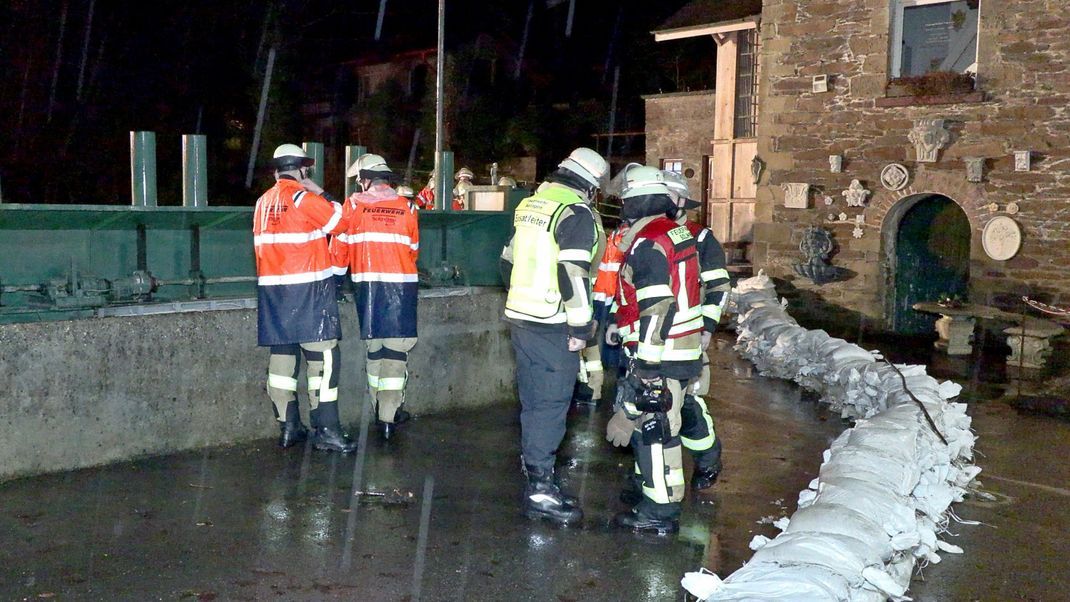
x=746, y=115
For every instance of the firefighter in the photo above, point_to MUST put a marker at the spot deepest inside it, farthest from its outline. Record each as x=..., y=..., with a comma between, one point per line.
x=406, y=192
x=296, y=308
x=697, y=432
x=460, y=190
x=425, y=199
x=380, y=249
x=546, y=264
x=592, y=370
x=659, y=317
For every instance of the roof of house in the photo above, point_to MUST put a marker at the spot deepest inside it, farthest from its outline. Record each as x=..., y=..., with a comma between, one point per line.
x=708, y=12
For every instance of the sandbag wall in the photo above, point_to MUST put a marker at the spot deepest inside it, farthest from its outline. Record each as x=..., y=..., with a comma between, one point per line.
x=882, y=498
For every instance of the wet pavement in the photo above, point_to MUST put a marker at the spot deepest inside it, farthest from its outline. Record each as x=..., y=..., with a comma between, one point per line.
x=436, y=514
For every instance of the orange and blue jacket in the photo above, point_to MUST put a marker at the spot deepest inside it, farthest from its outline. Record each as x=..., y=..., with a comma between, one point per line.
x=605, y=283
x=379, y=250
x=295, y=292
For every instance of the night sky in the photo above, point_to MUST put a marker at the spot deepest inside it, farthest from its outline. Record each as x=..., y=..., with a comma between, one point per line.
x=76, y=87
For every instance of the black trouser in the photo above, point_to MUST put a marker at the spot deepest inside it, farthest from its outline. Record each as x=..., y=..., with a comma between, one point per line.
x=545, y=373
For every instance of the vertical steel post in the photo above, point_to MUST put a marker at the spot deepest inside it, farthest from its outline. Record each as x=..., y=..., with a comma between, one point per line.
x=444, y=182
x=315, y=151
x=353, y=152
x=194, y=171
x=143, y=169
x=440, y=119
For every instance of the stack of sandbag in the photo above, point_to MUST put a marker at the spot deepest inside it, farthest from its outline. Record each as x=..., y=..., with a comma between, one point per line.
x=880, y=502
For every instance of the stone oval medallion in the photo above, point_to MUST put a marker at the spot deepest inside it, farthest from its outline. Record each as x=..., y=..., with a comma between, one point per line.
x=894, y=177
x=1001, y=238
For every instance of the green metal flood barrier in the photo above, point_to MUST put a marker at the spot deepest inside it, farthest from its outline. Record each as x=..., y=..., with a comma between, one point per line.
x=65, y=262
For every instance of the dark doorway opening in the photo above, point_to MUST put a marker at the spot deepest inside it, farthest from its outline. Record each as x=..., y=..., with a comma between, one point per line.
x=931, y=259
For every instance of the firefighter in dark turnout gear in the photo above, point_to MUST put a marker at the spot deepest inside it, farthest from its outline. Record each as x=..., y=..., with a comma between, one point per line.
x=697, y=431
x=546, y=265
x=659, y=317
x=297, y=312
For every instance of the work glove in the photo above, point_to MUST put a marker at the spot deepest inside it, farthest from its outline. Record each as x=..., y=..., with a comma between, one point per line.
x=619, y=429
x=612, y=335
x=706, y=338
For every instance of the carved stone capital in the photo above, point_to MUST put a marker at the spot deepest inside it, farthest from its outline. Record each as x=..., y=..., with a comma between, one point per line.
x=929, y=137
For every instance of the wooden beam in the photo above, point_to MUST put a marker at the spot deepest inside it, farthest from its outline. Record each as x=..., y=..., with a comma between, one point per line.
x=725, y=89
x=695, y=31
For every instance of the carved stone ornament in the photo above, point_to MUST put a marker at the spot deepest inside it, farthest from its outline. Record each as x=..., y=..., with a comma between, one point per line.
x=929, y=137
x=796, y=195
x=1001, y=238
x=829, y=201
x=816, y=246
x=1022, y=160
x=856, y=194
x=1012, y=208
x=756, y=168
x=860, y=219
x=836, y=163
x=832, y=217
x=992, y=207
x=857, y=232
x=843, y=216
x=894, y=177
x=975, y=169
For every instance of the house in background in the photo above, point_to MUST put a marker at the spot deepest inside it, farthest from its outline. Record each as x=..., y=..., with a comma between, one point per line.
x=709, y=135
x=928, y=138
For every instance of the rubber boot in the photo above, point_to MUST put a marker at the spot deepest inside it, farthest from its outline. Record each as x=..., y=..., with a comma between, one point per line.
x=707, y=467
x=292, y=431
x=704, y=477
x=583, y=395
x=543, y=499
x=632, y=493
x=329, y=435
x=641, y=522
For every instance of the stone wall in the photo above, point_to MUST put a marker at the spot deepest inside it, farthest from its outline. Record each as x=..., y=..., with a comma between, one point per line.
x=1023, y=74
x=86, y=392
x=680, y=126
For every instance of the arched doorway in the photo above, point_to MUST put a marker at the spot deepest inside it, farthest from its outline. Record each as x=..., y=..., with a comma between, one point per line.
x=927, y=245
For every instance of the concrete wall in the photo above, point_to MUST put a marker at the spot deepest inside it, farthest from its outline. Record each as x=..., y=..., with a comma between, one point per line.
x=88, y=392
x=680, y=126
x=1024, y=74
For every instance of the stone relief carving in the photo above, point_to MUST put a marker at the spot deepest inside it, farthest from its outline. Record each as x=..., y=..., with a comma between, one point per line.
x=975, y=169
x=894, y=177
x=1022, y=160
x=929, y=137
x=796, y=195
x=1012, y=208
x=856, y=194
x=829, y=201
x=857, y=232
x=836, y=163
x=816, y=246
x=756, y=168
x=1001, y=238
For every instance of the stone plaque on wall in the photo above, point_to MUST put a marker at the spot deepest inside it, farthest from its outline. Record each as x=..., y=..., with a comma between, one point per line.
x=1001, y=238
x=796, y=195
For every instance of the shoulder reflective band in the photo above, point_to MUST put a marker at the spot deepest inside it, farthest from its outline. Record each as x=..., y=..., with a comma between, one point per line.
x=717, y=274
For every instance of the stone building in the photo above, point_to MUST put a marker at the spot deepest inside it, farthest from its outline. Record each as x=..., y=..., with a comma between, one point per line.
x=950, y=115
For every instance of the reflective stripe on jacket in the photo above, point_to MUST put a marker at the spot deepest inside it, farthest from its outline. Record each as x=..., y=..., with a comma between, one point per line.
x=379, y=250
x=296, y=297
x=683, y=290
x=534, y=292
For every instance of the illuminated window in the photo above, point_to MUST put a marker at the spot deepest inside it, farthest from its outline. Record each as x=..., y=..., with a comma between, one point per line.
x=676, y=165
x=934, y=35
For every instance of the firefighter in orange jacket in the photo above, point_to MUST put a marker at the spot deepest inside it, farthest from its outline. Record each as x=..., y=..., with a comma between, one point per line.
x=379, y=249
x=296, y=308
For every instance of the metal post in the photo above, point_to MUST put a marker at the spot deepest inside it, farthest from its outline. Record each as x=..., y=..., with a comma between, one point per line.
x=444, y=181
x=440, y=119
x=143, y=169
x=194, y=171
x=353, y=152
x=260, y=117
x=315, y=151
